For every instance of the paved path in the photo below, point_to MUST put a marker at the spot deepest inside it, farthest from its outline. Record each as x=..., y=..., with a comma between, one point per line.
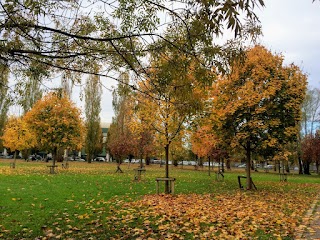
x=310, y=228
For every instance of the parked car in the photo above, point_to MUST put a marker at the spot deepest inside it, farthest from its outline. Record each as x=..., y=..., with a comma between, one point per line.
x=99, y=159
x=192, y=163
x=268, y=166
x=34, y=157
x=242, y=165
x=213, y=164
x=70, y=159
x=79, y=159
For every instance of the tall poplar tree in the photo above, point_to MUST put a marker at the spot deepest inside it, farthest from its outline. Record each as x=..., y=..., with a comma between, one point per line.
x=29, y=86
x=93, y=93
x=310, y=111
x=4, y=98
x=120, y=140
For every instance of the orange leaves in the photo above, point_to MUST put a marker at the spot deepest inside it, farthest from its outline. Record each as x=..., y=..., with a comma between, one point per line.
x=258, y=104
x=234, y=216
x=56, y=122
x=203, y=141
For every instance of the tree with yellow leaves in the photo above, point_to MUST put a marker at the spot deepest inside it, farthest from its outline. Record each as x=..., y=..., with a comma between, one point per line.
x=170, y=96
x=57, y=123
x=18, y=136
x=258, y=105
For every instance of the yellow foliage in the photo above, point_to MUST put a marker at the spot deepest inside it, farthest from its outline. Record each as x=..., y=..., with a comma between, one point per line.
x=56, y=122
x=260, y=99
x=18, y=135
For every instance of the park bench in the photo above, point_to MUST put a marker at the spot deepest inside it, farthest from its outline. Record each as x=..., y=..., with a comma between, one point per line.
x=65, y=165
x=119, y=170
x=241, y=186
x=51, y=168
x=169, y=180
x=219, y=175
x=283, y=177
x=138, y=173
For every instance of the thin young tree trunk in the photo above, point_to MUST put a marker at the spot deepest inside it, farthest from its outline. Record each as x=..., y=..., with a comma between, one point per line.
x=209, y=170
x=248, y=169
x=14, y=159
x=167, y=168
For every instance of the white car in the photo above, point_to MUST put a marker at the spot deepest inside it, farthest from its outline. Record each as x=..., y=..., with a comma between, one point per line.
x=242, y=165
x=99, y=159
x=269, y=166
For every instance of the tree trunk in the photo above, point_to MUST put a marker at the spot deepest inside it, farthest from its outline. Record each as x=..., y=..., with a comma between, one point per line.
x=287, y=167
x=252, y=165
x=222, y=165
x=141, y=163
x=14, y=159
x=167, y=169
x=228, y=164
x=306, y=168
x=300, y=165
x=89, y=157
x=54, y=155
x=209, y=158
x=147, y=160
x=248, y=169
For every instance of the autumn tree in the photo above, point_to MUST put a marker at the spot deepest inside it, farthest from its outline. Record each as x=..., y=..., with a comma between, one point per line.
x=316, y=150
x=307, y=147
x=18, y=136
x=203, y=142
x=171, y=95
x=143, y=140
x=93, y=141
x=310, y=148
x=120, y=137
x=178, y=148
x=57, y=124
x=258, y=105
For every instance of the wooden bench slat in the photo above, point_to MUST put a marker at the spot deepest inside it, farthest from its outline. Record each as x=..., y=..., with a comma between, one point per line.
x=171, y=183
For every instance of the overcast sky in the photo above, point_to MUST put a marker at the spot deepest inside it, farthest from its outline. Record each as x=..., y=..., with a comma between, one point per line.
x=290, y=27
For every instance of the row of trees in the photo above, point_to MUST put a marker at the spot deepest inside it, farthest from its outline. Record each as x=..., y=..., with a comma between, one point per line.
x=54, y=124
x=115, y=35
x=254, y=108
x=43, y=40
x=173, y=62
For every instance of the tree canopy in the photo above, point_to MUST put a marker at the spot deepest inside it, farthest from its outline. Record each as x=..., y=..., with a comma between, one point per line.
x=56, y=122
x=73, y=35
x=18, y=135
x=258, y=105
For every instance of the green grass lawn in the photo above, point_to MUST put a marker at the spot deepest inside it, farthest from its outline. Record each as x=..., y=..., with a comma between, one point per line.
x=80, y=200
